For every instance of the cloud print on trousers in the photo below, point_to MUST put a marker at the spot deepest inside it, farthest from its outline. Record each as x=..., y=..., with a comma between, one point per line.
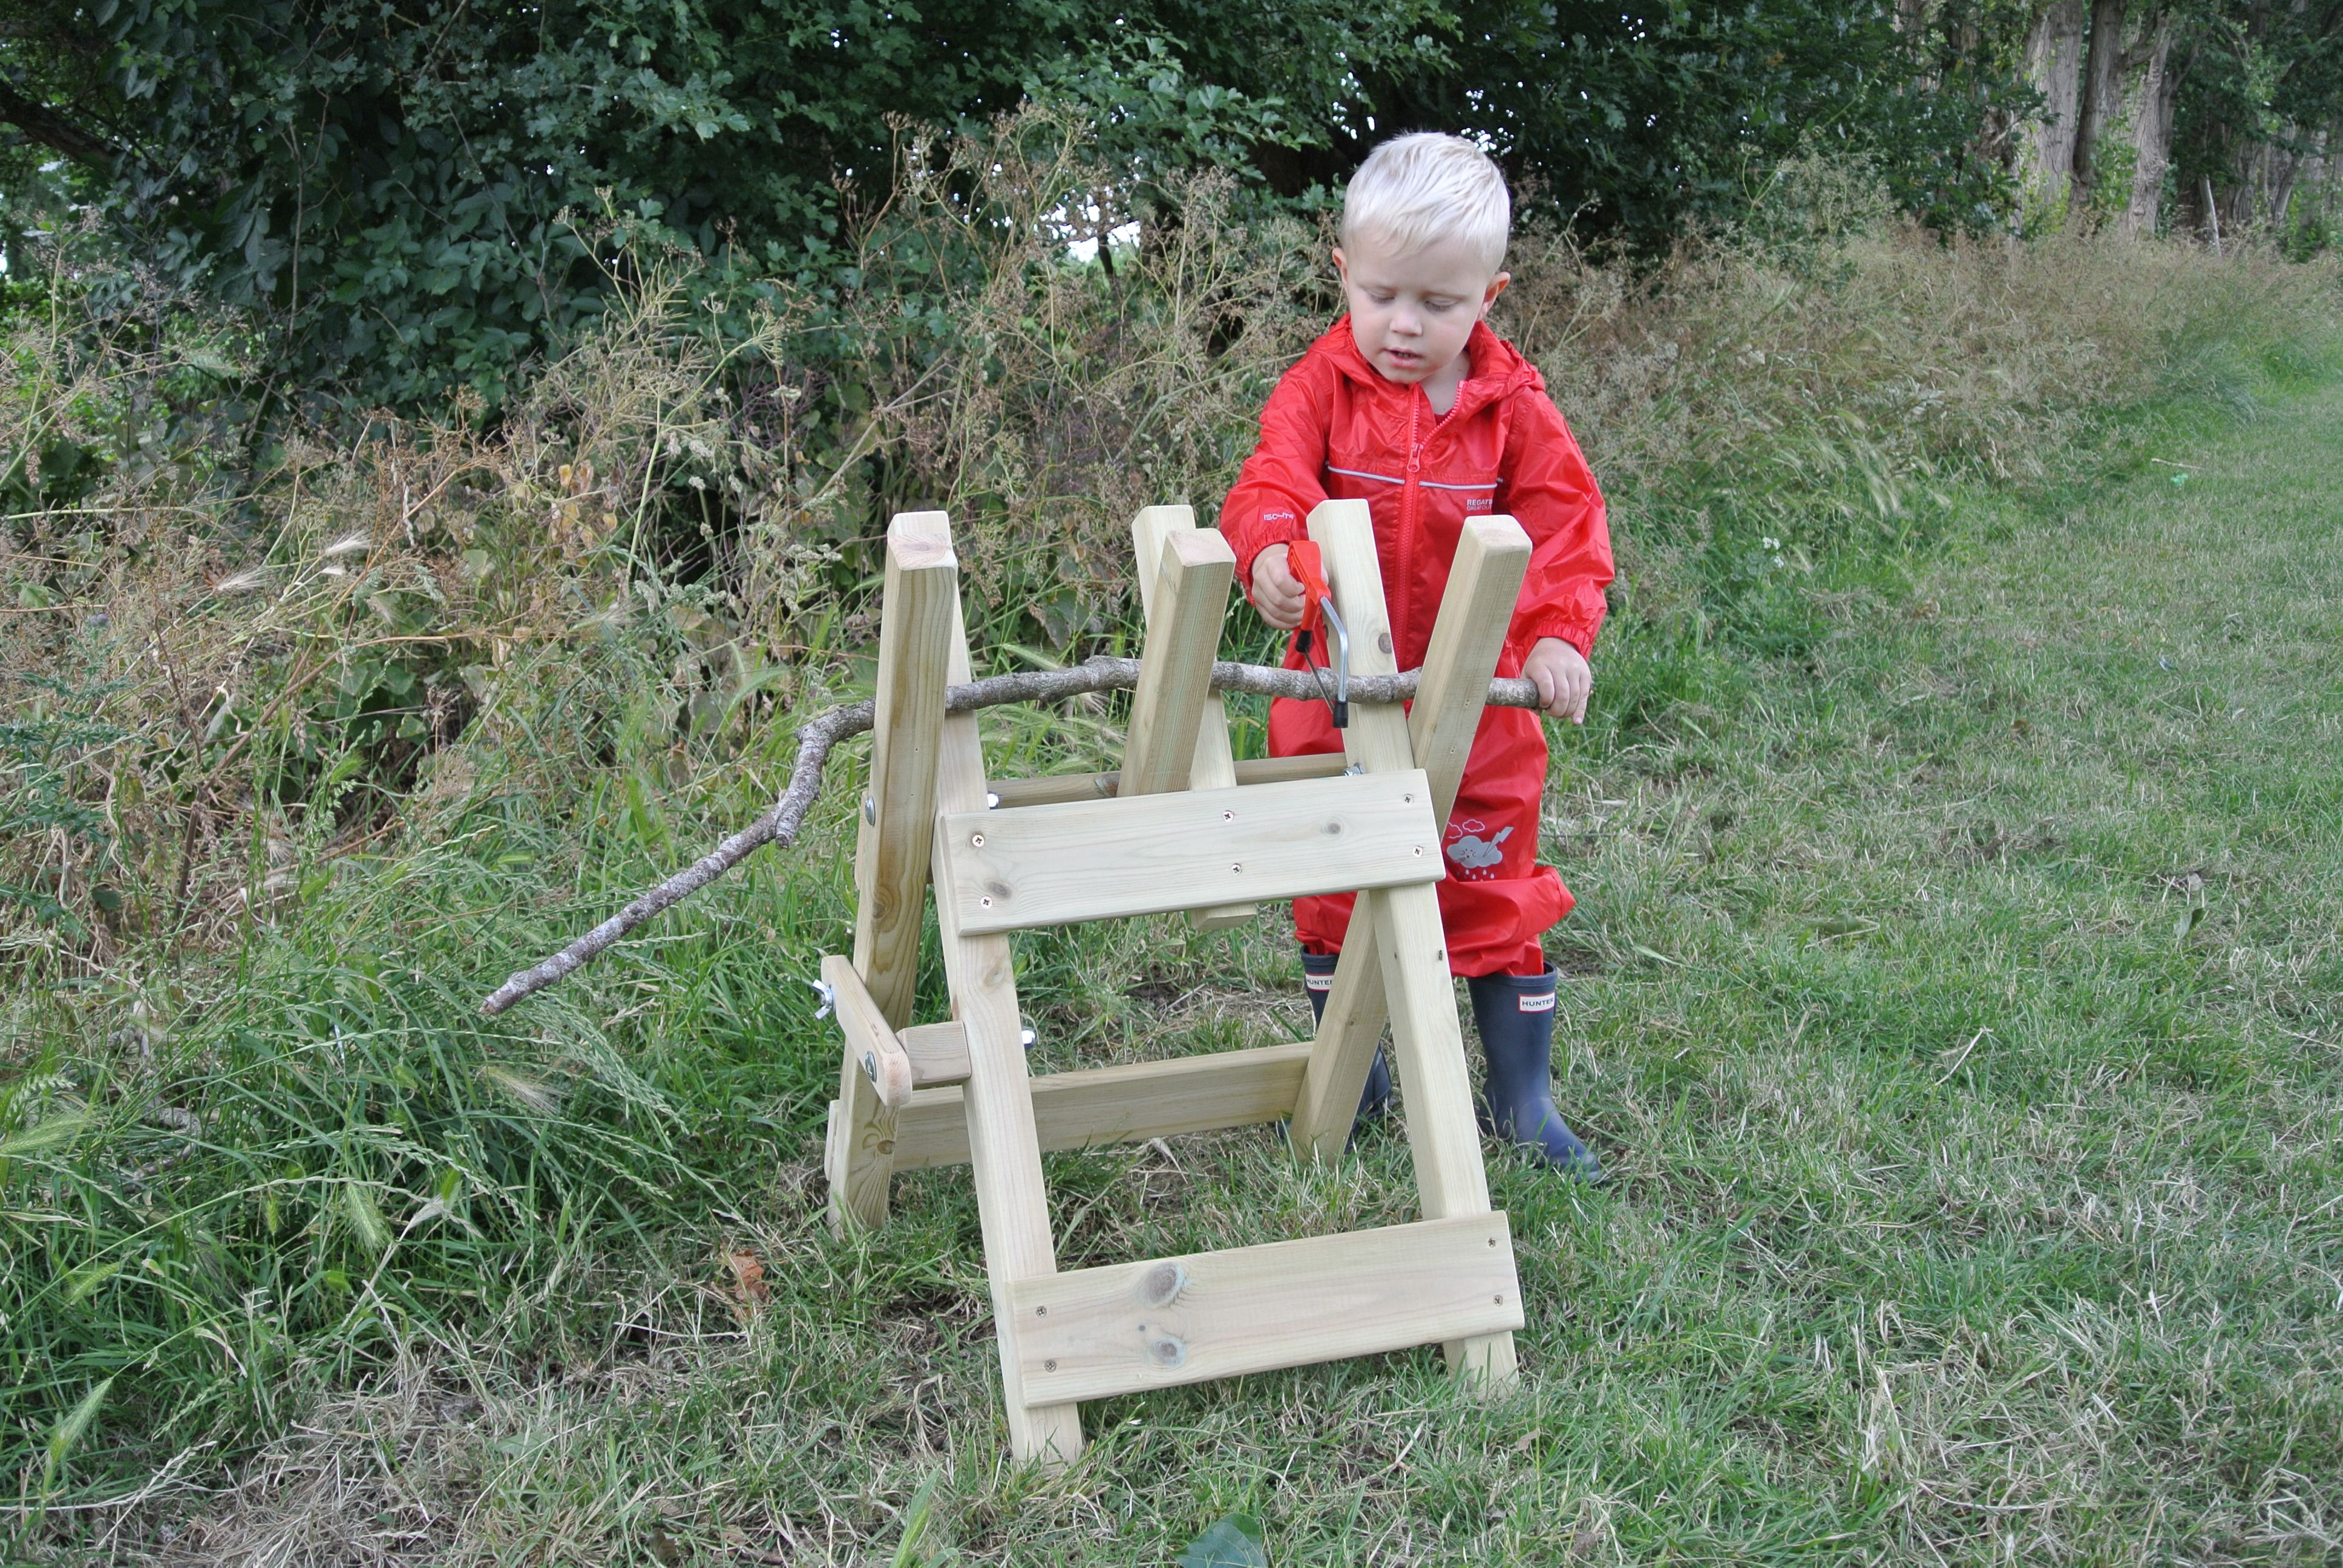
x=1473, y=852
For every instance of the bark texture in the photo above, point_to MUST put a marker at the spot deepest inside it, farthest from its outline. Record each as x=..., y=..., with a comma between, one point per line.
x=2151, y=132
x=2054, y=64
x=2102, y=74
x=826, y=729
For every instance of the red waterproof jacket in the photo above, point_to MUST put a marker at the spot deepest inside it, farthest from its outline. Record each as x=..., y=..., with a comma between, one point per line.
x=1334, y=429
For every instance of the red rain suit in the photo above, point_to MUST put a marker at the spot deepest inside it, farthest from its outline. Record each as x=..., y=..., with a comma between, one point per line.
x=1334, y=429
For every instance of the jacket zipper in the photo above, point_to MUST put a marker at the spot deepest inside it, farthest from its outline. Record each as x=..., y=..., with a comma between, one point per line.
x=1409, y=493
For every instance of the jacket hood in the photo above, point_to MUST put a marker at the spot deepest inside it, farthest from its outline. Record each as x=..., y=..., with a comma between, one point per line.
x=1498, y=368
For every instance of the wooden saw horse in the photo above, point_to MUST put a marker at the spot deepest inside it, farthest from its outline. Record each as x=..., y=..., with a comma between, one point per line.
x=1181, y=828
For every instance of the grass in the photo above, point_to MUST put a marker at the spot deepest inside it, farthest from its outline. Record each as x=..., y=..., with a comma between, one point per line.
x=1954, y=997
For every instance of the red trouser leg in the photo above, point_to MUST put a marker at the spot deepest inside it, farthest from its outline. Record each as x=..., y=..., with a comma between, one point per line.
x=1497, y=900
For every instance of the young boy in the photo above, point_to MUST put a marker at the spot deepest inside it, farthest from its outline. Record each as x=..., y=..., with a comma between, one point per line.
x=1410, y=403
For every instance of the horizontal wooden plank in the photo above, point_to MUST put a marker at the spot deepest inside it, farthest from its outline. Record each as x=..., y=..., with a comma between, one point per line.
x=1095, y=860
x=1128, y=1327
x=1055, y=789
x=1122, y=1104
x=939, y=1053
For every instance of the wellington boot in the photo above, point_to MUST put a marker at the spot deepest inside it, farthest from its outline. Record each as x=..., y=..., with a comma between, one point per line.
x=1515, y=1016
x=1318, y=974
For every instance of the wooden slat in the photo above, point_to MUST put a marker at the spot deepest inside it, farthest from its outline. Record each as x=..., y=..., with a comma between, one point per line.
x=1055, y=789
x=868, y=1041
x=922, y=598
x=1011, y=1199
x=1377, y=740
x=1484, y=583
x=890, y=863
x=1428, y=1048
x=1193, y=574
x=939, y=1053
x=1212, y=766
x=1128, y=1327
x=1057, y=865
x=1126, y=1104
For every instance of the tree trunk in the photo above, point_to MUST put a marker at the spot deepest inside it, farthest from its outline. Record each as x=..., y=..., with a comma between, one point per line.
x=2054, y=61
x=2103, y=68
x=2151, y=132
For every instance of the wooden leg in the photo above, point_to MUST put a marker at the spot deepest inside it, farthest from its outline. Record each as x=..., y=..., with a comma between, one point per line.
x=1005, y=1149
x=1430, y=1046
x=891, y=865
x=1346, y=1053
x=1213, y=766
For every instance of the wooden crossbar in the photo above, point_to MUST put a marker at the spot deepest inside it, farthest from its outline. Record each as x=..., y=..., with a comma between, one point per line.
x=1054, y=788
x=1126, y=1104
x=1097, y=1332
x=1095, y=860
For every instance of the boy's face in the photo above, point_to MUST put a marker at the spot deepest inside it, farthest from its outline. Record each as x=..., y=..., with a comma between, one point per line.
x=1410, y=315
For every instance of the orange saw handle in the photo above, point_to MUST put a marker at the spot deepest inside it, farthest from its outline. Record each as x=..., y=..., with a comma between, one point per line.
x=1318, y=611
x=1303, y=559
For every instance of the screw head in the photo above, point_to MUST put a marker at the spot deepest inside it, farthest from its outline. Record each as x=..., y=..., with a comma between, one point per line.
x=1237, y=867
x=983, y=903
x=1228, y=816
x=1049, y=1366
x=976, y=840
x=870, y=810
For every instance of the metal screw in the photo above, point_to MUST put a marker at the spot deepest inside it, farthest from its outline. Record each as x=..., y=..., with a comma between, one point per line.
x=1499, y=1301
x=1237, y=867
x=1049, y=1366
x=1228, y=816
x=985, y=904
x=870, y=810
x=871, y=1066
x=991, y=801
x=1419, y=851
x=1040, y=1311
x=976, y=839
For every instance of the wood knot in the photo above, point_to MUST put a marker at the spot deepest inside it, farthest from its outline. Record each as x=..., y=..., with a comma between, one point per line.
x=1161, y=1285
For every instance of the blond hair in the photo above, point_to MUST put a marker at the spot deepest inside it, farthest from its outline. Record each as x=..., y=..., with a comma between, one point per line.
x=1418, y=189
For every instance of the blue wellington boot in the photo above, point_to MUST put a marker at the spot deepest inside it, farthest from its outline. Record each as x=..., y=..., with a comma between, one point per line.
x=1318, y=975
x=1515, y=1016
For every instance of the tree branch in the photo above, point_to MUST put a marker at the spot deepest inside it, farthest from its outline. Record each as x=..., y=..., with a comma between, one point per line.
x=54, y=131
x=826, y=729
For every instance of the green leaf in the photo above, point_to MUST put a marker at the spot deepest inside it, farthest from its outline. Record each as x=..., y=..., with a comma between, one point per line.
x=1234, y=1541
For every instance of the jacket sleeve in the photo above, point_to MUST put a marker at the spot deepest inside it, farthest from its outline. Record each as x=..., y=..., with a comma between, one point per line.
x=1281, y=482
x=1553, y=495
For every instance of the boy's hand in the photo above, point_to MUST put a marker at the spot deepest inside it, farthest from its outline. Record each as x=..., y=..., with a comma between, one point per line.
x=1560, y=673
x=1276, y=591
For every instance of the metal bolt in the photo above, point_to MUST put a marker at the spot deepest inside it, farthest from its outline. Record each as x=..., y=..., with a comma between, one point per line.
x=976, y=839
x=871, y=1066
x=991, y=801
x=870, y=810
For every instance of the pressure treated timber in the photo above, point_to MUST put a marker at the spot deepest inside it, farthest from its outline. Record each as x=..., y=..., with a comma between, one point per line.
x=1377, y=740
x=1013, y=1199
x=1428, y=1051
x=1095, y=860
x=922, y=600
x=870, y=1042
x=939, y=1053
x=1484, y=583
x=1193, y=574
x=1213, y=765
x=1126, y=1104
x=1055, y=789
x=1130, y=1327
